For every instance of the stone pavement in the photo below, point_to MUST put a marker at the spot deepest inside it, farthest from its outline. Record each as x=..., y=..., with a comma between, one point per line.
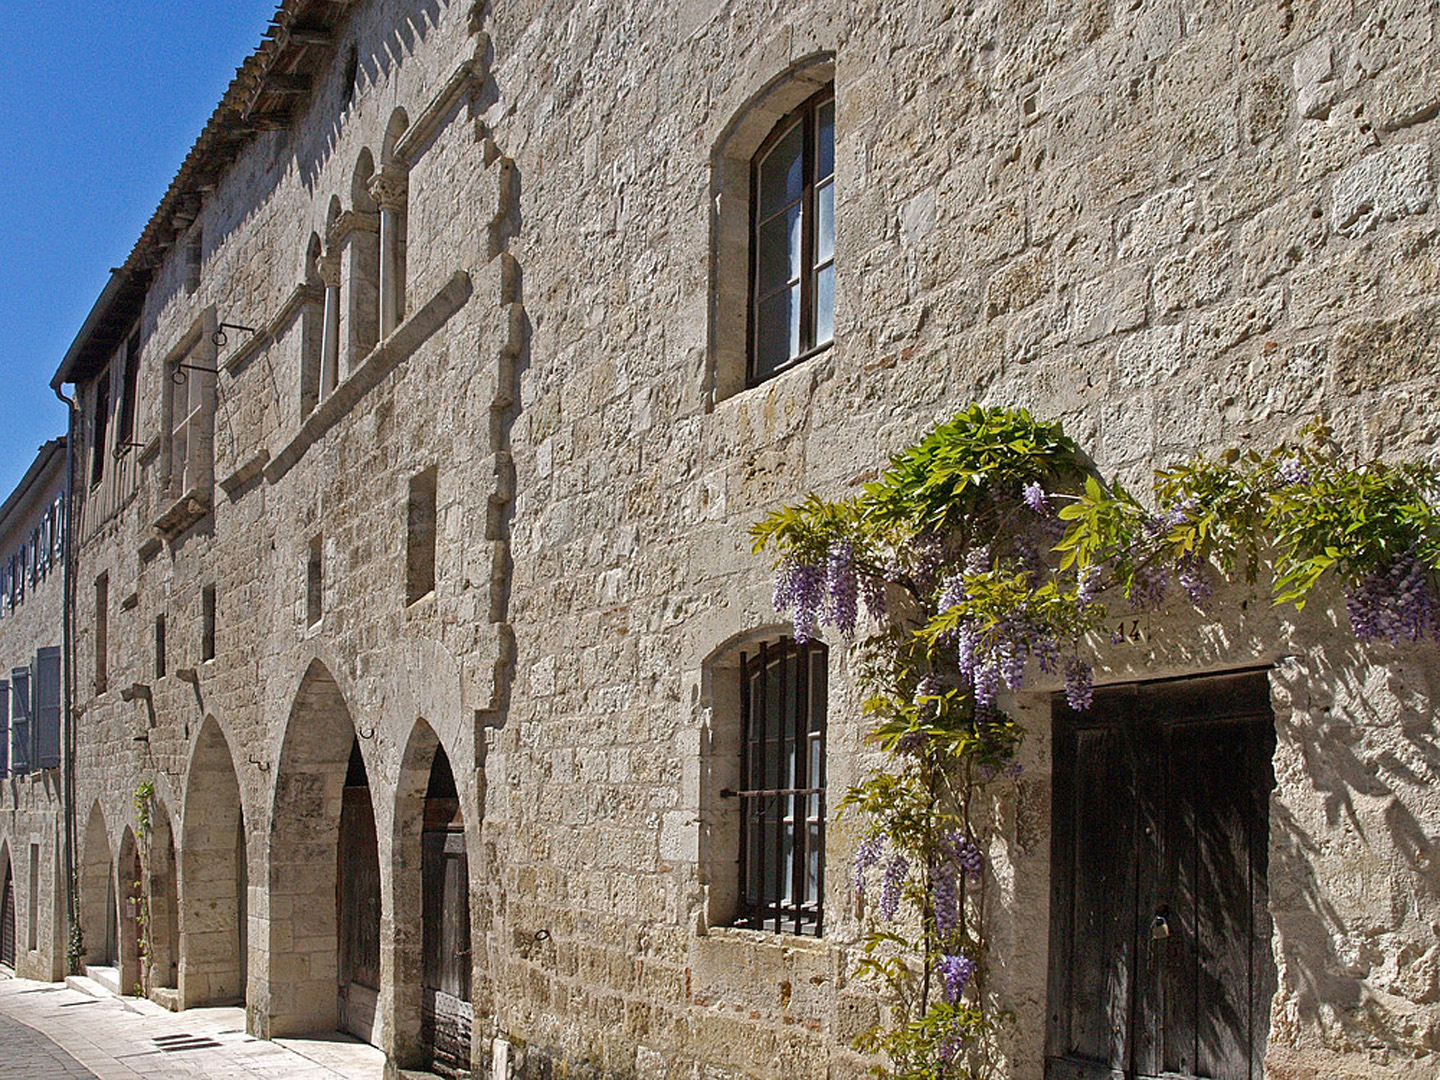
x=77, y=1030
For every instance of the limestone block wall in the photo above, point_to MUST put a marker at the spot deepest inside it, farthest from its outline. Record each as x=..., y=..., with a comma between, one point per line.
x=1170, y=225
x=31, y=816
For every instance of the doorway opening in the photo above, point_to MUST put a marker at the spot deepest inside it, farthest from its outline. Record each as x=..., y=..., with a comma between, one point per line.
x=358, y=904
x=1160, y=936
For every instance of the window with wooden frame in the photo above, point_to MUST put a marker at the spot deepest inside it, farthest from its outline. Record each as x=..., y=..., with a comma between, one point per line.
x=187, y=455
x=770, y=254
x=783, y=698
x=100, y=418
x=792, y=278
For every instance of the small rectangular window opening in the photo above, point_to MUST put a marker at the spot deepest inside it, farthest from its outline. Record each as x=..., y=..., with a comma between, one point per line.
x=207, y=623
x=159, y=646
x=98, y=428
x=193, y=256
x=32, y=932
x=315, y=583
x=102, y=634
x=125, y=415
x=420, y=537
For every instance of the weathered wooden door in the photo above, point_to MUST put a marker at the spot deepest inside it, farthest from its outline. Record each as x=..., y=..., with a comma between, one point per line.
x=358, y=909
x=446, y=1013
x=7, y=919
x=1160, y=928
x=112, y=921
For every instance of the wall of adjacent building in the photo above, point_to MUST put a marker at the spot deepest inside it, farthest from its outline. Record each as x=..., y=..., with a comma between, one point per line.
x=31, y=805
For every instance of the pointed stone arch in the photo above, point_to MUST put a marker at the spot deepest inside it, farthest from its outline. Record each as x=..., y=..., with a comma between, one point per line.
x=213, y=877
x=397, y=125
x=7, y=907
x=320, y=760
x=129, y=891
x=162, y=886
x=358, y=232
x=98, y=897
x=432, y=963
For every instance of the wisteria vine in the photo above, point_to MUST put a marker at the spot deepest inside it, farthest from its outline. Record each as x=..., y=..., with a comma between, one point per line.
x=992, y=552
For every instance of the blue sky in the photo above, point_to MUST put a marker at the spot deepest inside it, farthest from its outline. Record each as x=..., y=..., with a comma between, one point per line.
x=103, y=99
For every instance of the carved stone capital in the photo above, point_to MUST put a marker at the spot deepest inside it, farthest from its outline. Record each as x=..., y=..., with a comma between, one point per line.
x=389, y=188
x=352, y=221
x=330, y=269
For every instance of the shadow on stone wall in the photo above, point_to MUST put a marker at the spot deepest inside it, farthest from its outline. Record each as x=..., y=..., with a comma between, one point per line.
x=1354, y=883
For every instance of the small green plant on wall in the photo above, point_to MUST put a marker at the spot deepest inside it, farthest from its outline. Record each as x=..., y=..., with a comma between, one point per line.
x=993, y=550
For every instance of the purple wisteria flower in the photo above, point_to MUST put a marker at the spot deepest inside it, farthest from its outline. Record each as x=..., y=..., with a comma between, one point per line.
x=1079, y=688
x=967, y=646
x=978, y=560
x=799, y=589
x=946, y=898
x=872, y=591
x=951, y=1046
x=957, y=972
x=1192, y=578
x=952, y=592
x=895, y=871
x=1291, y=473
x=961, y=850
x=866, y=856
x=1396, y=604
x=841, y=586
x=1036, y=499
x=929, y=554
x=911, y=743
x=1047, y=654
x=987, y=684
x=1087, y=586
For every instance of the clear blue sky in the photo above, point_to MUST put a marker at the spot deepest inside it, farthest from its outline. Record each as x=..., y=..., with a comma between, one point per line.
x=101, y=99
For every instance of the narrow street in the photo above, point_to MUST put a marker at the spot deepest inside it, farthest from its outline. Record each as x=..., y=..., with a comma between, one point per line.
x=77, y=1030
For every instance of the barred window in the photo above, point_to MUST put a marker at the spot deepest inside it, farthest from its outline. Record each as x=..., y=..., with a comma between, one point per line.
x=782, y=841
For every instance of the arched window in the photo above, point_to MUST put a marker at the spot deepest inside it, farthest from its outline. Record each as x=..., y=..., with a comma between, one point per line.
x=772, y=234
x=792, y=284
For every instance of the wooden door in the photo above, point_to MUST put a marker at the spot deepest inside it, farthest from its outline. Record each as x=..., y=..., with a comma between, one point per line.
x=446, y=1014
x=112, y=921
x=7, y=920
x=1160, y=928
x=358, y=910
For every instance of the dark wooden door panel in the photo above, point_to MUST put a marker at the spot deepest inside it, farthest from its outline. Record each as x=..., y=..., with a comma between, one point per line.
x=359, y=891
x=1161, y=961
x=7, y=920
x=1103, y=915
x=447, y=1013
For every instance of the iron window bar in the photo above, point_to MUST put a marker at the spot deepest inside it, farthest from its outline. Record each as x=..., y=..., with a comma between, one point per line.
x=782, y=828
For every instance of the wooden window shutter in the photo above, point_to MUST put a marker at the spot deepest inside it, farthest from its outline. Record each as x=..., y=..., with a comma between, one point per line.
x=20, y=721
x=4, y=728
x=47, y=708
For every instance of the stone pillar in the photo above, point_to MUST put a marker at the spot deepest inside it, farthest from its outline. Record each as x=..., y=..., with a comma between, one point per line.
x=330, y=333
x=389, y=189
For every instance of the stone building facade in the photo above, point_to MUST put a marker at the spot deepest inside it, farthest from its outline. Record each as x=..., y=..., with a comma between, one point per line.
x=33, y=917
x=419, y=434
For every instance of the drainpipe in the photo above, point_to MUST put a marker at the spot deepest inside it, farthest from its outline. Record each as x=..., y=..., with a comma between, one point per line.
x=67, y=665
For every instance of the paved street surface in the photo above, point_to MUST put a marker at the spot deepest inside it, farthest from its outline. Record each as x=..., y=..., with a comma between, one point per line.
x=60, y=1031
